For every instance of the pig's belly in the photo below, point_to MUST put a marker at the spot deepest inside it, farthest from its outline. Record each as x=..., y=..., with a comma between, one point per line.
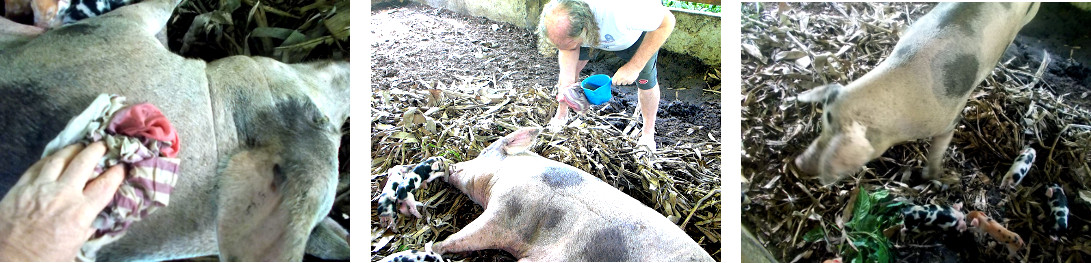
x=38, y=99
x=602, y=223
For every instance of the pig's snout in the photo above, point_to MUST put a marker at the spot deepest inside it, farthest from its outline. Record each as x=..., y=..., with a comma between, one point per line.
x=454, y=170
x=805, y=165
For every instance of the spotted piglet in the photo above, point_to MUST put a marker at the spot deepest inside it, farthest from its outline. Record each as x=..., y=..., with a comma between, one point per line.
x=933, y=217
x=430, y=169
x=402, y=180
x=981, y=224
x=54, y=13
x=1019, y=169
x=1058, y=209
x=414, y=256
x=389, y=200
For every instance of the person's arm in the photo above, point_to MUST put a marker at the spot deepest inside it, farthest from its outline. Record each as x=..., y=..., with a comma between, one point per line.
x=653, y=40
x=567, y=60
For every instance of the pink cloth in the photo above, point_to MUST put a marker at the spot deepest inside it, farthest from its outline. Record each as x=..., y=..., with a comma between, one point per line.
x=140, y=138
x=146, y=121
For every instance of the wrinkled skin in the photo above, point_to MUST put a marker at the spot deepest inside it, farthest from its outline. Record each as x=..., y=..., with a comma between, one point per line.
x=538, y=209
x=259, y=138
x=917, y=92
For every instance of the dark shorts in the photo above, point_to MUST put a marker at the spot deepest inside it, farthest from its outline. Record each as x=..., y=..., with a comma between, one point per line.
x=648, y=76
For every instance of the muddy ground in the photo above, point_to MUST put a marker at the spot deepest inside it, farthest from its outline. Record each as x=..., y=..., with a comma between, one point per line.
x=1001, y=118
x=417, y=47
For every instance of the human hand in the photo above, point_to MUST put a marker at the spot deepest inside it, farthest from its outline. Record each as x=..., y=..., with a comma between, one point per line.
x=562, y=90
x=47, y=214
x=626, y=75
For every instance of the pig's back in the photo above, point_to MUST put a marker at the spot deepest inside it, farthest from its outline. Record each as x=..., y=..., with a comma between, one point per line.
x=935, y=66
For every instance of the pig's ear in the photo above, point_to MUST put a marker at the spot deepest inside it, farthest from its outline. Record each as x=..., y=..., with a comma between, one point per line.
x=847, y=151
x=521, y=140
x=825, y=94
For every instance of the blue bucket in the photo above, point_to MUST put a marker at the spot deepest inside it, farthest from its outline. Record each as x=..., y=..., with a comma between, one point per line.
x=597, y=89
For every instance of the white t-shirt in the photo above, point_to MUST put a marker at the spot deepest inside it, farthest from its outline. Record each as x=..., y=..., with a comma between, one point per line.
x=622, y=21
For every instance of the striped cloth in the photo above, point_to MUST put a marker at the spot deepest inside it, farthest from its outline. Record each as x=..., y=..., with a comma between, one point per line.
x=140, y=138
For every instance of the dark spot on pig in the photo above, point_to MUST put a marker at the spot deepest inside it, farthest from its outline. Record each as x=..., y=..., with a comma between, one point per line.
x=902, y=54
x=1026, y=160
x=553, y=217
x=959, y=74
x=402, y=193
x=1022, y=172
x=30, y=118
x=430, y=258
x=513, y=205
x=832, y=94
x=560, y=177
x=424, y=170
x=959, y=15
x=607, y=244
x=278, y=176
x=76, y=29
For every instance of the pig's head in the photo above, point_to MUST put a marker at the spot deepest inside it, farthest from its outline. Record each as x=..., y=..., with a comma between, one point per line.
x=45, y=12
x=842, y=147
x=279, y=182
x=475, y=177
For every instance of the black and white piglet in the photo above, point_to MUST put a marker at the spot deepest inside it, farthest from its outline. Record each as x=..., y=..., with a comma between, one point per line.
x=1019, y=169
x=933, y=217
x=402, y=180
x=415, y=256
x=83, y=9
x=1058, y=208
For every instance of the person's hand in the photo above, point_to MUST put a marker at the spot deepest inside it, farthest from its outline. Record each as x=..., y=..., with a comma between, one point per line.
x=561, y=90
x=626, y=75
x=47, y=214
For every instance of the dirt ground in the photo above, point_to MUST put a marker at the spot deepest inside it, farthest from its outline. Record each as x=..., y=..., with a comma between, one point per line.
x=1001, y=118
x=417, y=47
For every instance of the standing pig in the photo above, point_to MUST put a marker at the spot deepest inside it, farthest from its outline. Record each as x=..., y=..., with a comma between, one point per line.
x=917, y=92
x=538, y=209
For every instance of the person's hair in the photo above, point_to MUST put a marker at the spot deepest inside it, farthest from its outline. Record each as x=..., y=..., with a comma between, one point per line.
x=581, y=24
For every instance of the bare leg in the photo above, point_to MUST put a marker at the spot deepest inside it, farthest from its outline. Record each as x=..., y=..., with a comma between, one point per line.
x=561, y=117
x=649, y=107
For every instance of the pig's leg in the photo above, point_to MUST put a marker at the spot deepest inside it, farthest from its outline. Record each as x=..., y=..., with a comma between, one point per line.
x=934, y=170
x=808, y=161
x=409, y=206
x=485, y=232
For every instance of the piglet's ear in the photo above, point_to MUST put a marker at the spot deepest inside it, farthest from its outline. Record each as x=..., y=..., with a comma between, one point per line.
x=521, y=140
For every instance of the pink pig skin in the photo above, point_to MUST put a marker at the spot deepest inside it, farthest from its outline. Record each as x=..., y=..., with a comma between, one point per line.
x=543, y=210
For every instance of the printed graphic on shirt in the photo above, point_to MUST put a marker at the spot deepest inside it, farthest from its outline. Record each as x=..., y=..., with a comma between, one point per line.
x=608, y=39
x=643, y=81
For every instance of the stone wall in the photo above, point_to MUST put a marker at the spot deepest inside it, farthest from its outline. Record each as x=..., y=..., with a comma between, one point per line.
x=696, y=33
